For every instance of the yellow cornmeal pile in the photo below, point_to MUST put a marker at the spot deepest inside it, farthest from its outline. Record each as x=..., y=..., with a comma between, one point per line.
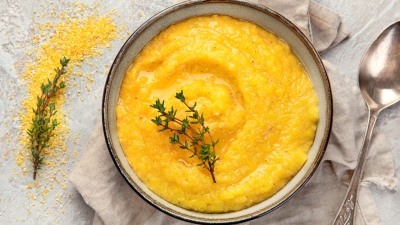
x=80, y=33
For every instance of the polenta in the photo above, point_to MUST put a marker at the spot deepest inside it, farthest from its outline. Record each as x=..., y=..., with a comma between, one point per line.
x=255, y=96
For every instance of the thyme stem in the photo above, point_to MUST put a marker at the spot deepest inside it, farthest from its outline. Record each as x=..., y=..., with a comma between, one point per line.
x=42, y=123
x=198, y=146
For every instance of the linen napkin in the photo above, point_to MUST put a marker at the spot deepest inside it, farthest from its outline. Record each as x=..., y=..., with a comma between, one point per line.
x=104, y=189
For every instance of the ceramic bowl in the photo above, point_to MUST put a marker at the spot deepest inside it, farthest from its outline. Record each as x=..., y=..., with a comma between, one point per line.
x=269, y=20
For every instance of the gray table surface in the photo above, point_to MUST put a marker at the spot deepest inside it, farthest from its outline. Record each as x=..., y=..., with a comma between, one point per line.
x=63, y=204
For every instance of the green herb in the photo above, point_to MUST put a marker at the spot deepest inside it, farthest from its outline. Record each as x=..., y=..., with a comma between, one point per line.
x=42, y=123
x=194, y=135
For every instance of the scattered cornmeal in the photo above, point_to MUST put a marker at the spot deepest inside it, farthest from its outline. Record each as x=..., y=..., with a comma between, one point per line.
x=80, y=34
x=256, y=98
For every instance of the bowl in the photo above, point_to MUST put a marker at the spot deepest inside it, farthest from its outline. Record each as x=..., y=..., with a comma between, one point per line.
x=267, y=19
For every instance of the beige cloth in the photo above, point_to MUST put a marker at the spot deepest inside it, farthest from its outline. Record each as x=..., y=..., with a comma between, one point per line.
x=114, y=202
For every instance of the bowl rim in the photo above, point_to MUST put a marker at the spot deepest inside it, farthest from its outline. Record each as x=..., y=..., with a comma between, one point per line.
x=328, y=121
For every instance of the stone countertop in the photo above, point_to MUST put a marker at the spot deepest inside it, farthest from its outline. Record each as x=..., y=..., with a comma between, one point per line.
x=54, y=200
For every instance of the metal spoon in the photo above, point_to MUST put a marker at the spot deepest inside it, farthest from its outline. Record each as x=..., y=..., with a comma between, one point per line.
x=379, y=81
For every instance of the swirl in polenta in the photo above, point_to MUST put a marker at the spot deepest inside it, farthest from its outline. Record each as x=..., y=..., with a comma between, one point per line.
x=256, y=99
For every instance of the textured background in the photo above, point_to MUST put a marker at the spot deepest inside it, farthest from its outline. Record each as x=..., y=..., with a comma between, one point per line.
x=63, y=205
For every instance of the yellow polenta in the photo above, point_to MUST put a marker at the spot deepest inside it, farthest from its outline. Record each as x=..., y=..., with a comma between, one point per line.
x=256, y=99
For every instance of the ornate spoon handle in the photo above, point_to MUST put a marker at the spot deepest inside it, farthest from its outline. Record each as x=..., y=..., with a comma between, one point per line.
x=346, y=212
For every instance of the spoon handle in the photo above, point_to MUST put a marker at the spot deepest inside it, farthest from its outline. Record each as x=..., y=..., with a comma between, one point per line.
x=346, y=212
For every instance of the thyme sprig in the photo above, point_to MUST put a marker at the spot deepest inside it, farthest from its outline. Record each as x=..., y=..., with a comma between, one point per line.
x=195, y=135
x=42, y=123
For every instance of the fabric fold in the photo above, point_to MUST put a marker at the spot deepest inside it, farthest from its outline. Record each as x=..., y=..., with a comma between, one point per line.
x=327, y=28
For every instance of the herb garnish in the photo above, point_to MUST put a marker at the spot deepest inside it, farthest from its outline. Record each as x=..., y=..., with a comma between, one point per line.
x=42, y=122
x=198, y=146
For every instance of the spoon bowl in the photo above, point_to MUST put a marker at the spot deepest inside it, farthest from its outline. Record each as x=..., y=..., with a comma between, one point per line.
x=379, y=82
x=379, y=74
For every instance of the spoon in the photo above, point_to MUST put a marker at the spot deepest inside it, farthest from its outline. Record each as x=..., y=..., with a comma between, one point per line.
x=379, y=82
